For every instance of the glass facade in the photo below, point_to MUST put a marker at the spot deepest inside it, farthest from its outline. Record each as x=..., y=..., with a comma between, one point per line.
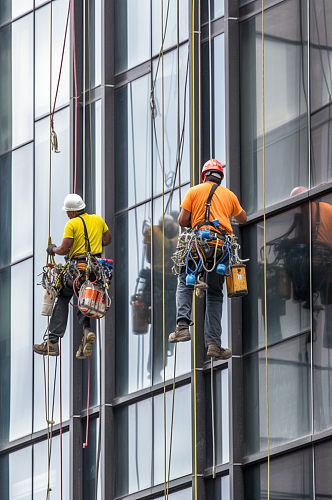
x=166, y=95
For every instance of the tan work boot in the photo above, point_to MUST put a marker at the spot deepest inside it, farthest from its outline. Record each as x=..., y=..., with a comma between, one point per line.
x=181, y=334
x=42, y=349
x=218, y=352
x=85, y=348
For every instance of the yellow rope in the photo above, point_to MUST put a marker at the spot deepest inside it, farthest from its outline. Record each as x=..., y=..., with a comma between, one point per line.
x=194, y=305
x=265, y=284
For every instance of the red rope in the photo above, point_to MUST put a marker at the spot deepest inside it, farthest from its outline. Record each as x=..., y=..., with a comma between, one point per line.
x=87, y=417
x=75, y=78
x=62, y=56
x=60, y=422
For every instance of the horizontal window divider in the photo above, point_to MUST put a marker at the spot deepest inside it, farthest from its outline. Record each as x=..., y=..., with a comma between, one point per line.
x=217, y=28
x=154, y=390
x=93, y=411
x=4, y=25
x=16, y=262
x=284, y=205
x=34, y=438
x=149, y=200
x=16, y=147
x=291, y=337
x=253, y=8
x=96, y=95
x=151, y=493
x=288, y=447
x=220, y=470
x=222, y=364
x=59, y=108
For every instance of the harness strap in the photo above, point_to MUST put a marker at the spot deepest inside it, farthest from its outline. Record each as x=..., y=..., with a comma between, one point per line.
x=87, y=242
x=208, y=201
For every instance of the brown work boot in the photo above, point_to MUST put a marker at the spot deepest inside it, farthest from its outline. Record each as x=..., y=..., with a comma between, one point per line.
x=181, y=334
x=43, y=349
x=79, y=352
x=89, y=338
x=218, y=352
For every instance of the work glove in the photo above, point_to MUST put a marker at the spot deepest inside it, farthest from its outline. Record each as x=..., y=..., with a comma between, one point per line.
x=49, y=249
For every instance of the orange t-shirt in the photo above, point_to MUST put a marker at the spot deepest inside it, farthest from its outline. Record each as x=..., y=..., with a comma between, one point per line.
x=324, y=233
x=224, y=204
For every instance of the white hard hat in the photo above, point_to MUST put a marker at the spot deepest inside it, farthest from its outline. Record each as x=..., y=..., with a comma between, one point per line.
x=73, y=203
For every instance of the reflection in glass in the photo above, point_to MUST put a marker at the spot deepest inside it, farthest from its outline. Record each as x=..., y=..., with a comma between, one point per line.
x=95, y=43
x=10, y=9
x=164, y=303
x=181, y=442
x=42, y=58
x=219, y=488
x=96, y=181
x=89, y=463
x=322, y=310
x=289, y=394
x=218, y=101
x=180, y=495
x=321, y=139
x=133, y=143
x=216, y=10
x=15, y=475
x=132, y=33
x=290, y=477
x=40, y=470
x=16, y=83
x=171, y=31
x=221, y=417
x=60, y=188
x=170, y=116
x=15, y=356
x=323, y=477
x=288, y=278
x=133, y=301
x=133, y=426
x=286, y=148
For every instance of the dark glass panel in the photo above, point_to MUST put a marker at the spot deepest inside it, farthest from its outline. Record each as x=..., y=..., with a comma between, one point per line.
x=287, y=278
x=290, y=477
x=289, y=394
x=286, y=145
x=89, y=463
x=323, y=476
x=218, y=488
x=216, y=9
x=221, y=417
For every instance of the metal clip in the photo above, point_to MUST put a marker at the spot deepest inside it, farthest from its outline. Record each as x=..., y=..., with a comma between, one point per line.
x=200, y=287
x=152, y=105
x=54, y=141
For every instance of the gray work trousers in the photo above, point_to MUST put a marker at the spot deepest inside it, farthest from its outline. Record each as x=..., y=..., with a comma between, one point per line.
x=58, y=321
x=213, y=311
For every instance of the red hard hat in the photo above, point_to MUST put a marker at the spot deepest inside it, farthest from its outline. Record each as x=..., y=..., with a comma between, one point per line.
x=210, y=166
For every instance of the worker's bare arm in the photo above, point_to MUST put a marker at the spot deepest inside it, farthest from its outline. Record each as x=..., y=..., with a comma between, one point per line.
x=184, y=218
x=65, y=246
x=241, y=218
x=107, y=238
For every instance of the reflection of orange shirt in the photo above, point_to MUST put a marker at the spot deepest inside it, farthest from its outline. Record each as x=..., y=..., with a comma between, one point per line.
x=224, y=203
x=324, y=234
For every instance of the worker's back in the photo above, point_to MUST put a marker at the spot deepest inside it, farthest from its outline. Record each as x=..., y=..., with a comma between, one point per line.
x=95, y=226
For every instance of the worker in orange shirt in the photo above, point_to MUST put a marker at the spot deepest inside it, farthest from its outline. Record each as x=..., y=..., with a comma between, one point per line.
x=224, y=204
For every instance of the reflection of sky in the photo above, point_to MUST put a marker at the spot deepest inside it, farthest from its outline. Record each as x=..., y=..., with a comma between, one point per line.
x=20, y=467
x=171, y=32
x=139, y=445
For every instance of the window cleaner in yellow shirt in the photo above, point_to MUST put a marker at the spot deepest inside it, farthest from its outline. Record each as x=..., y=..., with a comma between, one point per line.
x=224, y=203
x=73, y=243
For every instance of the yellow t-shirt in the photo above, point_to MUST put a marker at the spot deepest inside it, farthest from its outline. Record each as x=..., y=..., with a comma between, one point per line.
x=96, y=227
x=224, y=203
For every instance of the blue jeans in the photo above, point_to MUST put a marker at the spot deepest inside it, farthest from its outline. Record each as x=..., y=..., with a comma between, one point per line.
x=213, y=311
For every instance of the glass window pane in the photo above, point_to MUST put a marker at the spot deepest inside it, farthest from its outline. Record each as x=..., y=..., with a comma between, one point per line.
x=181, y=442
x=16, y=83
x=42, y=58
x=290, y=477
x=221, y=417
x=89, y=463
x=60, y=188
x=97, y=175
x=133, y=143
x=170, y=121
x=40, y=475
x=164, y=304
x=286, y=148
x=288, y=278
x=323, y=477
x=134, y=447
x=180, y=495
x=95, y=44
x=16, y=475
x=218, y=488
x=133, y=301
x=171, y=28
x=216, y=9
x=289, y=394
x=16, y=359
x=321, y=138
x=132, y=33
x=322, y=310
x=217, y=122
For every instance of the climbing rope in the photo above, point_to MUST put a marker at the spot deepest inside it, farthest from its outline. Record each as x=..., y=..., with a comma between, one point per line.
x=75, y=98
x=99, y=427
x=265, y=281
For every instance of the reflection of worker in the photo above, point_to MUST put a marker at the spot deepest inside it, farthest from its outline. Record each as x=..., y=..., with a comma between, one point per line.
x=162, y=266
x=74, y=243
x=224, y=204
